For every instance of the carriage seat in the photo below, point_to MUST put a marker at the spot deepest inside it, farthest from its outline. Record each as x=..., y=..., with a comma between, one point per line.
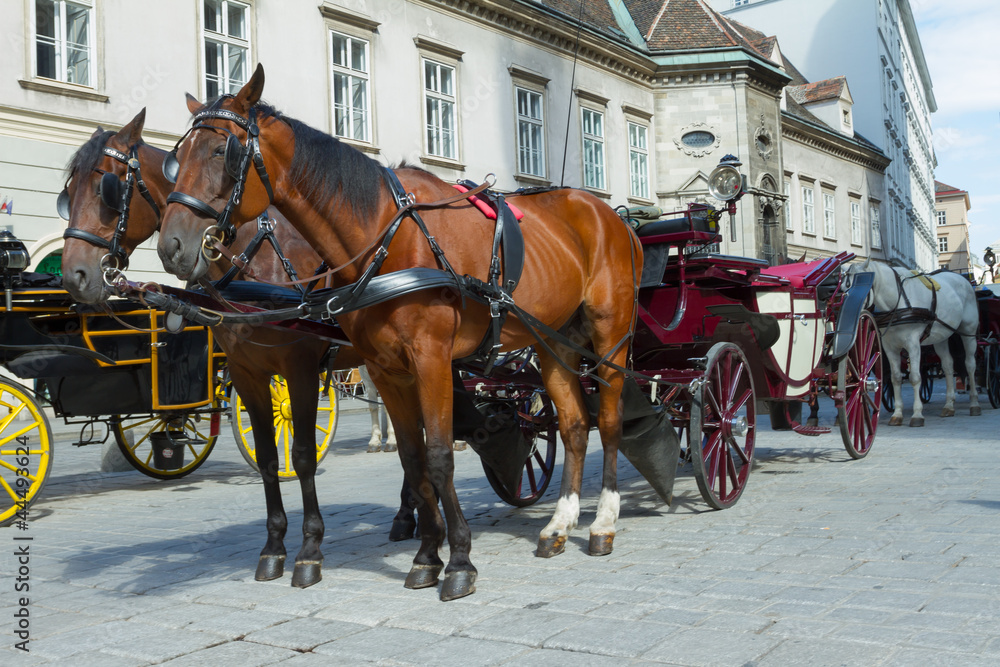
x=696, y=223
x=794, y=273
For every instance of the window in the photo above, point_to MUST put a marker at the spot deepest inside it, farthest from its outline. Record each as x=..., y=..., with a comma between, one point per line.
x=593, y=149
x=876, y=227
x=227, y=46
x=439, y=107
x=351, y=117
x=64, y=41
x=787, y=207
x=942, y=244
x=740, y=3
x=829, y=219
x=530, y=132
x=638, y=160
x=856, y=223
x=808, y=216
x=942, y=218
x=698, y=139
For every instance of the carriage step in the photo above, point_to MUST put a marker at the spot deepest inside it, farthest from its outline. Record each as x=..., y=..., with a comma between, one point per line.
x=811, y=430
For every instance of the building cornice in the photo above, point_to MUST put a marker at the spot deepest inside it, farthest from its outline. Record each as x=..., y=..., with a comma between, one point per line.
x=534, y=23
x=796, y=129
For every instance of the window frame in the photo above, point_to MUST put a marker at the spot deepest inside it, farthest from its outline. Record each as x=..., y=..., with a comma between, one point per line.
x=538, y=123
x=59, y=45
x=351, y=73
x=643, y=153
x=829, y=216
x=875, y=224
x=595, y=140
x=442, y=99
x=943, y=244
x=808, y=209
x=226, y=41
x=942, y=217
x=856, y=223
x=786, y=206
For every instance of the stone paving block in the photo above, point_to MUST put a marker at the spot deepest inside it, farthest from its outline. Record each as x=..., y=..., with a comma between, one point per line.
x=303, y=634
x=104, y=659
x=825, y=652
x=697, y=647
x=873, y=634
x=236, y=594
x=441, y=619
x=896, y=570
x=811, y=595
x=966, y=605
x=521, y=626
x=551, y=658
x=919, y=657
x=58, y=622
x=234, y=654
x=90, y=638
x=376, y=644
x=740, y=590
x=460, y=652
x=625, y=640
x=732, y=622
x=231, y=623
x=887, y=600
x=948, y=641
x=801, y=627
x=161, y=644
x=676, y=616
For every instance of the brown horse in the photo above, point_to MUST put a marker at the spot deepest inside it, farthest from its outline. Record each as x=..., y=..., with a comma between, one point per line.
x=581, y=269
x=254, y=353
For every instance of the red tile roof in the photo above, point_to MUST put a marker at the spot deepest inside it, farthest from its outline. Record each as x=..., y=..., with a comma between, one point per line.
x=818, y=91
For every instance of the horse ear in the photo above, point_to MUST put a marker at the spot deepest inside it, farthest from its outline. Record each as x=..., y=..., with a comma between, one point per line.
x=193, y=105
x=99, y=130
x=132, y=133
x=250, y=94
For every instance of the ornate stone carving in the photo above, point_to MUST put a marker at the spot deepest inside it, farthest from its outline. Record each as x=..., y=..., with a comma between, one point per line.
x=763, y=141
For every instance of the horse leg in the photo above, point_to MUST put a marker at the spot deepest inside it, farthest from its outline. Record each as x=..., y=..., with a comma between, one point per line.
x=896, y=375
x=948, y=367
x=404, y=524
x=913, y=349
x=427, y=564
x=390, y=433
x=813, y=419
x=564, y=389
x=970, y=369
x=371, y=395
x=256, y=395
x=304, y=398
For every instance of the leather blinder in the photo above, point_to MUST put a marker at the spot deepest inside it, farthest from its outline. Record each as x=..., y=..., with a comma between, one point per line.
x=234, y=156
x=62, y=204
x=171, y=167
x=110, y=191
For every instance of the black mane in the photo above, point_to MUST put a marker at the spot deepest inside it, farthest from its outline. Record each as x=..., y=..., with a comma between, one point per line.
x=323, y=167
x=86, y=158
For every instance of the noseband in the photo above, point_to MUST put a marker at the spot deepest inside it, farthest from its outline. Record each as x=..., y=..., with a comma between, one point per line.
x=117, y=198
x=237, y=160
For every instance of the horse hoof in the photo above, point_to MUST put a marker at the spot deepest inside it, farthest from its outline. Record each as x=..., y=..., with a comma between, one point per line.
x=458, y=584
x=601, y=545
x=307, y=573
x=402, y=530
x=459, y=446
x=373, y=447
x=916, y=422
x=812, y=421
x=945, y=412
x=389, y=448
x=423, y=576
x=270, y=568
x=976, y=411
x=896, y=421
x=551, y=546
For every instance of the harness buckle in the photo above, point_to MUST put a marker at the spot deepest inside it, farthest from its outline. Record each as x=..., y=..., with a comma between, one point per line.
x=208, y=242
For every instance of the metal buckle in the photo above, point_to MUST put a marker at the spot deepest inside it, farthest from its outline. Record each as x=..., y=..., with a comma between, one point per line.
x=208, y=242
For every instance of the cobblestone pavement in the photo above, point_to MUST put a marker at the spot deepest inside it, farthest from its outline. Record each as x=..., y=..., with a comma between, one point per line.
x=891, y=560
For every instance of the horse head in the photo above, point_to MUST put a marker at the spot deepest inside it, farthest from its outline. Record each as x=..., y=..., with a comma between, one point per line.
x=106, y=220
x=220, y=175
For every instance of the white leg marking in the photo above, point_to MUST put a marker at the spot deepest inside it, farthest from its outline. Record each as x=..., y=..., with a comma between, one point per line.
x=607, y=513
x=565, y=518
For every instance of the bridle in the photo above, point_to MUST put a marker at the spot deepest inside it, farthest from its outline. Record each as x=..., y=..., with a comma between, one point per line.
x=237, y=161
x=117, y=198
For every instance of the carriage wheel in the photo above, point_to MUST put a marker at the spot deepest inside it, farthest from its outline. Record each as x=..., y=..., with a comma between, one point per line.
x=723, y=412
x=25, y=450
x=540, y=426
x=326, y=425
x=993, y=374
x=859, y=383
x=137, y=437
x=926, y=387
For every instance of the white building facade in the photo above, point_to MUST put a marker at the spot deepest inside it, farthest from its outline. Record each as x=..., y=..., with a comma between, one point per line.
x=876, y=45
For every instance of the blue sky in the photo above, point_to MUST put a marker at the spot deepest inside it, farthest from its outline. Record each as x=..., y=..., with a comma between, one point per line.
x=960, y=39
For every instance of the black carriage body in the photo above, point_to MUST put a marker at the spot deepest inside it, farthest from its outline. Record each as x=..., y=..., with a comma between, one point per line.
x=93, y=365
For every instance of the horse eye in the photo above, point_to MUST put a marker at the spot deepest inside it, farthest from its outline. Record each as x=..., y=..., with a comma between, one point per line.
x=220, y=151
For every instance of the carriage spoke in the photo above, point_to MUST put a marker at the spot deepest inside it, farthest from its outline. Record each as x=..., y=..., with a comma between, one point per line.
x=10, y=491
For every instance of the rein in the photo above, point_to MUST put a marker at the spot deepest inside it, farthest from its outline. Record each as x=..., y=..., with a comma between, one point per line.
x=911, y=314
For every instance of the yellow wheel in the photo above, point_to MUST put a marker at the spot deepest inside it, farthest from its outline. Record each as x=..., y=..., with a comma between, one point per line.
x=25, y=451
x=166, y=446
x=281, y=405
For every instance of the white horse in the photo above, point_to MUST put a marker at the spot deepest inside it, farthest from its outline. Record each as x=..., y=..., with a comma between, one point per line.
x=377, y=411
x=947, y=309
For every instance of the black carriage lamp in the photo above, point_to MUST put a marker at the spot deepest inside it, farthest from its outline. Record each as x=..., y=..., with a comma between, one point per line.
x=727, y=184
x=990, y=259
x=14, y=259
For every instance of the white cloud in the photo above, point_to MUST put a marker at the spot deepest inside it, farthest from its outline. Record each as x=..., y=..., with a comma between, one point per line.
x=958, y=40
x=952, y=138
